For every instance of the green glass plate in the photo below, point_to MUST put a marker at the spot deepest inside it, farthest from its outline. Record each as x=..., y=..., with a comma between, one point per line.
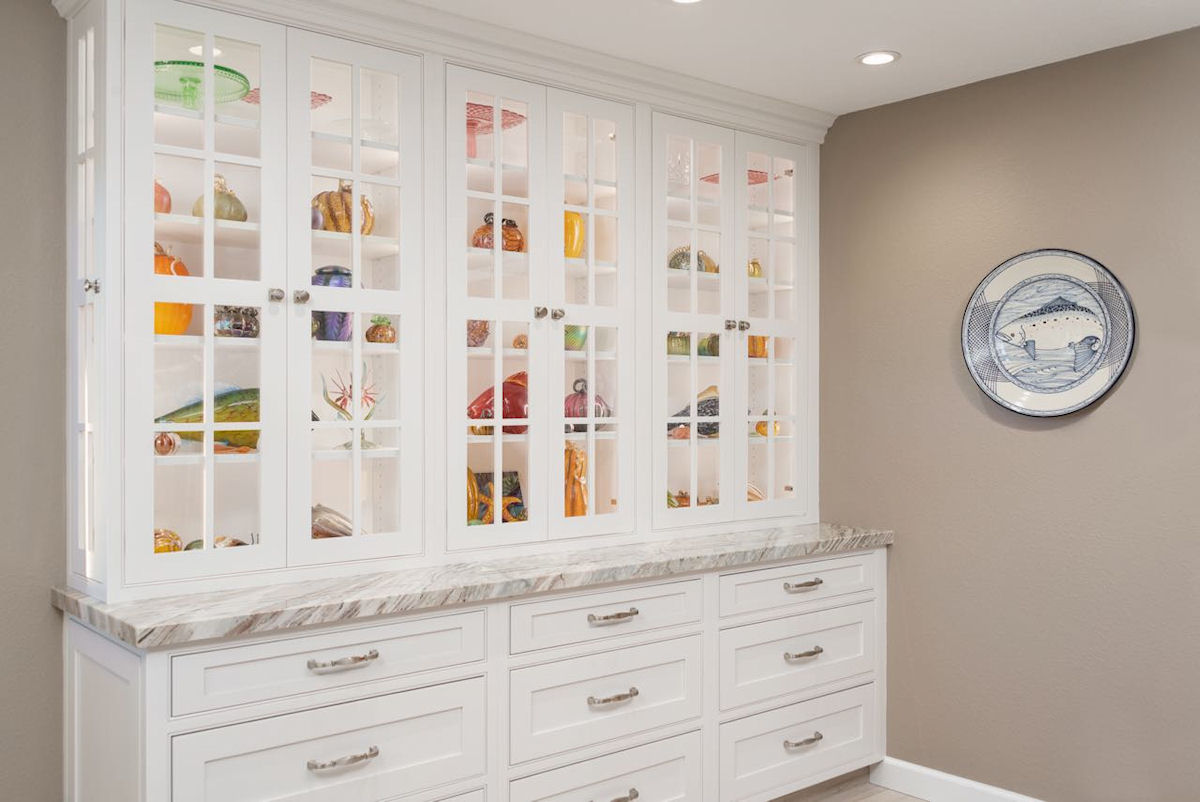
x=182, y=83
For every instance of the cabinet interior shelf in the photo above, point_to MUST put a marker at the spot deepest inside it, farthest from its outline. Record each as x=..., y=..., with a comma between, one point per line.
x=683, y=443
x=340, y=347
x=487, y=439
x=197, y=341
x=345, y=454
x=184, y=228
x=198, y=459
x=484, y=352
x=336, y=245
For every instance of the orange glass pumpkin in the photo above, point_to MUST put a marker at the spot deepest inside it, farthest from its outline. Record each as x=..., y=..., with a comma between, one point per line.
x=170, y=318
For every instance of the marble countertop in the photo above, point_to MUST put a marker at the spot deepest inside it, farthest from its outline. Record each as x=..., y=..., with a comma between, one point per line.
x=178, y=620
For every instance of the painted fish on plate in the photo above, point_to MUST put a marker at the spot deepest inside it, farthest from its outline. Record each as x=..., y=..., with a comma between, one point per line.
x=1048, y=332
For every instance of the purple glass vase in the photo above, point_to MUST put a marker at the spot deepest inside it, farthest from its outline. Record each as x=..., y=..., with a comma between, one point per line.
x=335, y=326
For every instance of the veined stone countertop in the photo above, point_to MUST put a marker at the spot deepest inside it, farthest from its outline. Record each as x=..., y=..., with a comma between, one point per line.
x=177, y=620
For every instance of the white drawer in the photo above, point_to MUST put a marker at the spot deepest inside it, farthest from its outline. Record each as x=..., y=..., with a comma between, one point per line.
x=774, y=588
x=420, y=739
x=663, y=771
x=592, y=616
x=779, y=751
x=586, y=700
x=263, y=671
x=787, y=655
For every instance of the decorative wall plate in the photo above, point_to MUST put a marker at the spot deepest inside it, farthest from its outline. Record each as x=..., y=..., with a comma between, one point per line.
x=1048, y=332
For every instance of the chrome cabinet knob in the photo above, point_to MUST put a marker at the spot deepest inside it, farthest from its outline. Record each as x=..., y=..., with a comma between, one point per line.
x=730, y=325
x=557, y=314
x=540, y=312
x=743, y=325
x=275, y=294
x=301, y=296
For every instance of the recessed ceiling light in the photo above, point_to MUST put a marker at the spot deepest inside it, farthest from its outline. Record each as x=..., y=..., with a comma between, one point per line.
x=877, y=58
x=198, y=50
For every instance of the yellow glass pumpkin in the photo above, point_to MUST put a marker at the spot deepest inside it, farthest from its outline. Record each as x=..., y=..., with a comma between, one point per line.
x=573, y=235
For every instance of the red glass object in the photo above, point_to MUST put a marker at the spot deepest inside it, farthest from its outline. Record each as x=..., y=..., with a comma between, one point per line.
x=516, y=404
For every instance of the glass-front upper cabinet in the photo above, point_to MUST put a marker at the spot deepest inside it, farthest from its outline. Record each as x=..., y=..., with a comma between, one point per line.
x=590, y=343
x=733, y=311
x=355, y=287
x=497, y=308
x=539, y=256
x=776, y=313
x=204, y=380
x=694, y=326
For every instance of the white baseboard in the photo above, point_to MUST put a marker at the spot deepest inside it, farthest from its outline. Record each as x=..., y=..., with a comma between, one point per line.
x=932, y=785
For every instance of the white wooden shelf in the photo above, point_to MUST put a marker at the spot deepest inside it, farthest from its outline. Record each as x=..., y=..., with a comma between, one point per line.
x=186, y=229
x=335, y=245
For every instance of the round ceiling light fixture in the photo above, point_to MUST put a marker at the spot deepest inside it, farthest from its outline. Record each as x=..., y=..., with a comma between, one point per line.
x=877, y=58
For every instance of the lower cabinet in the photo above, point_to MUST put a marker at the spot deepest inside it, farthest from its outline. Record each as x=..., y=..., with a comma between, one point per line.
x=773, y=753
x=371, y=749
x=695, y=689
x=663, y=770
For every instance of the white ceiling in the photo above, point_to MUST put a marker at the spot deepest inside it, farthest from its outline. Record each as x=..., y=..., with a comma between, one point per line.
x=803, y=51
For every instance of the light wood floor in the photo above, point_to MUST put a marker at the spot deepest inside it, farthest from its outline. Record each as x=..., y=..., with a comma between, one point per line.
x=854, y=787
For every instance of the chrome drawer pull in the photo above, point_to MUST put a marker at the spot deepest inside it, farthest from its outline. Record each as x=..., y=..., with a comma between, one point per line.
x=612, y=700
x=342, y=762
x=356, y=661
x=629, y=797
x=800, y=587
x=813, y=652
x=612, y=618
x=816, y=736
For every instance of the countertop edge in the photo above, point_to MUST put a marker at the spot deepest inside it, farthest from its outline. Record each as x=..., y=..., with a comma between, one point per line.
x=154, y=624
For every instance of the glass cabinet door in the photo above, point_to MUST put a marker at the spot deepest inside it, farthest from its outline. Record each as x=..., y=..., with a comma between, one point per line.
x=355, y=291
x=774, y=313
x=205, y=345
x=591, y=349
x=694, y=328
x=497, y=309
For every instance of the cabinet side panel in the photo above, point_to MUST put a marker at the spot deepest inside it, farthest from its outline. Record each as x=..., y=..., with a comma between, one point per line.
x=103, y=745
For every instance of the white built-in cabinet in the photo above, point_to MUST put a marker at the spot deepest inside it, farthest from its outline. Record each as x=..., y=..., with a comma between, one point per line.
x=618, y=304
x=419, y=301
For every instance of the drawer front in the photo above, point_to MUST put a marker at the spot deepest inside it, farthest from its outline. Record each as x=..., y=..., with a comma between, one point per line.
x=774, y=588
x=663, y=771
x=776, y=752
x=592, y=616
x=774, y=658
x=394, y=744
x=264, y=671
x=587, y=700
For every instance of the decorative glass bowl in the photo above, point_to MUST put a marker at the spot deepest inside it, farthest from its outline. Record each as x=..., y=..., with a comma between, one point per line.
x=182, y=83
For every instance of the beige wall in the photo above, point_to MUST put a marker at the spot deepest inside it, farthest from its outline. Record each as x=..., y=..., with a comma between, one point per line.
x=1045, y=585
x=32, y=406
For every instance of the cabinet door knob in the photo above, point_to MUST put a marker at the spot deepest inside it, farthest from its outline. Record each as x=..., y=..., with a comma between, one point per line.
x=275, y=294
x=91, y=285
x=540, y=312
x=301, y=296
x=557, y=314
x=730, y=325
x=816, y=736
x=743, y=325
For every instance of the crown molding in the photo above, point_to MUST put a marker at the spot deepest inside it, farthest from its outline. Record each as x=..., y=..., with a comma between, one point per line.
x=68, y=8
x=407, y=26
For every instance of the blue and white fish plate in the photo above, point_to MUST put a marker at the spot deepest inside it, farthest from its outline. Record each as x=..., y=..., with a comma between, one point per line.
x=1048, y=332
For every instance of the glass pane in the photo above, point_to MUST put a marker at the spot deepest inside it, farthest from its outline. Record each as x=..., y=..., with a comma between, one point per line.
x=379, y=481
x=332, y=489
x=236, y=496
x=179, y=57
x=481, y=118
x=236, y=126
x=179, y=490
x=237, y=209
x=179, y=185
x=331, y=99
x=331, y=243
x=381, y=245
x=515, y=265
x=513, y=493
x=605, y=137
x=379, y=115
